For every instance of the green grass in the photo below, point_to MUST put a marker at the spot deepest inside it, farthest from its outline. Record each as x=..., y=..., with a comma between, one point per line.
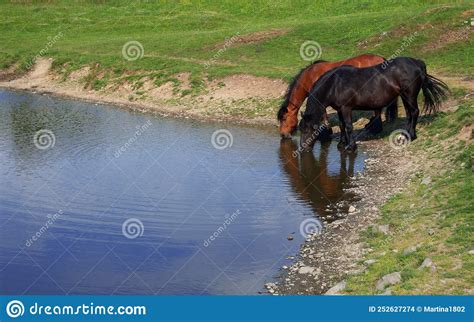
x=181, y=36
x=438, y=217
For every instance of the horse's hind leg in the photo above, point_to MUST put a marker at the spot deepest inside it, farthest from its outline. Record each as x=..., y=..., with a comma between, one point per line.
x=411, y=108
x=375, y=123
x=391, y=111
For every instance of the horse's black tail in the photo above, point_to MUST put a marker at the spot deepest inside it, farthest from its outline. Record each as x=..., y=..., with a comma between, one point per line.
x=435, y=91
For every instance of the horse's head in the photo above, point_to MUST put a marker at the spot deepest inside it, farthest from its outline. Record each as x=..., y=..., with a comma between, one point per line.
x=288, y=124
x=310, y=129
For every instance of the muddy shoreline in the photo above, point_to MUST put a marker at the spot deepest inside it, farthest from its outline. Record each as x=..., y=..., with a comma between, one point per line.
x=148, y=108
x=218, y=104
x=325, y=260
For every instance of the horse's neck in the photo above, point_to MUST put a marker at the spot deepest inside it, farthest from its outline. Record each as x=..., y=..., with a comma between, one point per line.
x=318, y=110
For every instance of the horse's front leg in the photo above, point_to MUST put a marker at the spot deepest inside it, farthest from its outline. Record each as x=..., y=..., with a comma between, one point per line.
x=347, y=115
x=342, y=137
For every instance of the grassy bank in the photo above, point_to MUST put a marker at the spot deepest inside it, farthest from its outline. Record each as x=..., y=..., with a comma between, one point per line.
x=434, y=214
x=188, y=36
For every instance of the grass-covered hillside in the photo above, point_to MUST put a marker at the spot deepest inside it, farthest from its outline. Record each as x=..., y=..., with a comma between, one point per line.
x=432, y=221
x=215, y=38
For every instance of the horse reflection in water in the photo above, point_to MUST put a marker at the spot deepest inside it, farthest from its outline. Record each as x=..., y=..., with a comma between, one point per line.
x=312, y=180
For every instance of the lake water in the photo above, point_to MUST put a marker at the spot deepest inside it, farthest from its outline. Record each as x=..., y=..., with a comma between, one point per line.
x=99, y=200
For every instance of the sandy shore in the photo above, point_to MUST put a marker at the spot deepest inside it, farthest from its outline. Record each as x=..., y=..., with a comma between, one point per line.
x=234, y=98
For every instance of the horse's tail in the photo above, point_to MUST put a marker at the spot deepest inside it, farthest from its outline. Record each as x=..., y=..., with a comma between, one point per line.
x=434, y=90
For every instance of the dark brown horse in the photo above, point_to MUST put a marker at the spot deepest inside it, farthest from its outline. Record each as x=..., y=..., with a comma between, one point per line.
x=303, y=82
x=347, y=88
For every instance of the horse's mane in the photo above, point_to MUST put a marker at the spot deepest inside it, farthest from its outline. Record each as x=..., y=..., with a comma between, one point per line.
x=284, y=106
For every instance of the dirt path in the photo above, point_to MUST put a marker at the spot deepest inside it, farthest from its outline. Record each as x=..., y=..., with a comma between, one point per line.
x=237, y=98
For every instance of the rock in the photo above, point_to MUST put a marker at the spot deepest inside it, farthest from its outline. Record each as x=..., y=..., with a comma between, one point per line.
x=336, y=289
x=389, y=279
x=428, y=263
x=431, y=232
x=270, y=286
x=384, y=229
x=409, y=250
x=370, y=262
x=426, y=181
x=471, y=252
x=387, y=292
x=352, y=209
x=290, y=237
x=358, y=271
x=306, y=270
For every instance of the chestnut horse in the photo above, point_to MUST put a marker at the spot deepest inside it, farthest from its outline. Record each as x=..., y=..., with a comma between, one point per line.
x=301, y=85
